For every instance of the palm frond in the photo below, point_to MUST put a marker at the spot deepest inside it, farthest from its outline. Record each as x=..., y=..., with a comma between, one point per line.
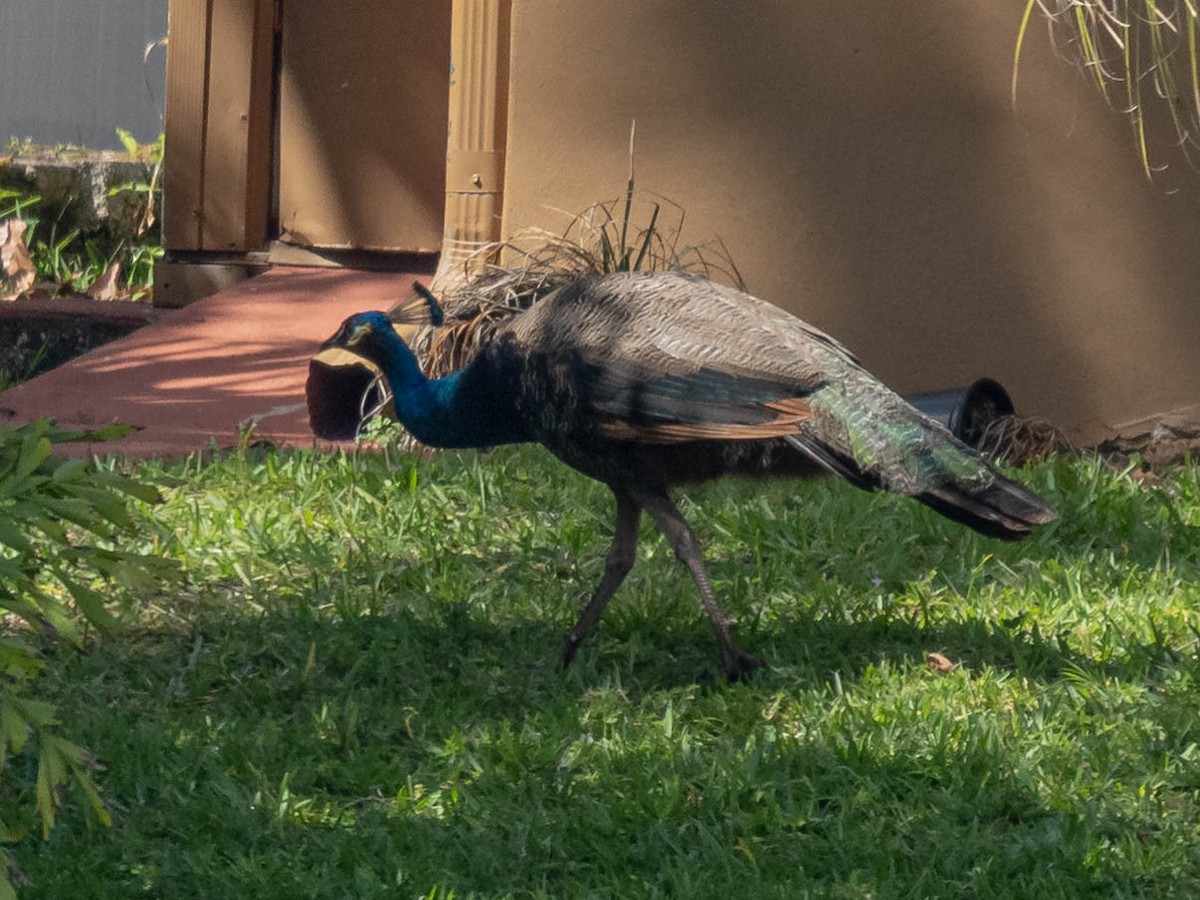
x=1145, y=49
x=516, y=273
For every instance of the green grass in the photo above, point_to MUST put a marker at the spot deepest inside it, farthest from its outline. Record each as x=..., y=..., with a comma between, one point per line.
x=358, y=695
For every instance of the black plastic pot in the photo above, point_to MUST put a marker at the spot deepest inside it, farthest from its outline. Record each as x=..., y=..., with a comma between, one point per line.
x=968, y=411
x=339, y=388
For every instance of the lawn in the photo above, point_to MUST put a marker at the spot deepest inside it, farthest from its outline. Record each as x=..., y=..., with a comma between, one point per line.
x=356, y=693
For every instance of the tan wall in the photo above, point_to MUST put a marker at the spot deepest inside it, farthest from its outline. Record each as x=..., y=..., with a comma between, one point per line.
x=363, y=98
x=869, y=173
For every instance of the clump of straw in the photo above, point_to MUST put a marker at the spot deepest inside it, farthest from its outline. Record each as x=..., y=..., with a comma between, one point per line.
x=516, y=273
x=1017, y=440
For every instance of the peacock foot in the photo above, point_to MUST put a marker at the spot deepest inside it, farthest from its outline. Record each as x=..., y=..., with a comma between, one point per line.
x=740, y=664
x=570, y=644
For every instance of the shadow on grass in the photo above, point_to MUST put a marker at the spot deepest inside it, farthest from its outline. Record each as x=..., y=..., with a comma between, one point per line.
x=293, y=755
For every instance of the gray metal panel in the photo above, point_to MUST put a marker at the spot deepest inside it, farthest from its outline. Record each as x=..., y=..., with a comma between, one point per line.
x=71, y=72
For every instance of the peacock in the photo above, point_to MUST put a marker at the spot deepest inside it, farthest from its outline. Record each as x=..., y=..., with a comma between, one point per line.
x=645, y=381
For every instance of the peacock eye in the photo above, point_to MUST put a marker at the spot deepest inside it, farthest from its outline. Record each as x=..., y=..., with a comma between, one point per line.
x=356, y=332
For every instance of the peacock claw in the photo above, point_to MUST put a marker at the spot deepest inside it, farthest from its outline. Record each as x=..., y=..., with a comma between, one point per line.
x=742, y=666
x=570, y=645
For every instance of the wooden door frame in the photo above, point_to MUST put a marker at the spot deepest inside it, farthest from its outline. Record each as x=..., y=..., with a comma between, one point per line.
x=220, y=122
x=221, y=156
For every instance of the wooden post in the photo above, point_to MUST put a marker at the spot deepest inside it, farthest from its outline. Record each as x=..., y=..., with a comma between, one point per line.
x=217, y=184
x=186, y=113
x=479, y=47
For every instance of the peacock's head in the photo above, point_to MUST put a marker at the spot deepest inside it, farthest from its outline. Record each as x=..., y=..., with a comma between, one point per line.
x=367, y=334
x=343, y=377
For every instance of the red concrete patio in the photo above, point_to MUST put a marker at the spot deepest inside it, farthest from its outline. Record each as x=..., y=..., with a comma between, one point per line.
x=199, y=375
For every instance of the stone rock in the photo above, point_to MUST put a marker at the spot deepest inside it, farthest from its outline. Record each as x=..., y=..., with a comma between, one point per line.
x=78, y=193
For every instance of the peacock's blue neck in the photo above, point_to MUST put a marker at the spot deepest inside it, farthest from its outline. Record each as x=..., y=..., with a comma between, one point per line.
x=459, y=410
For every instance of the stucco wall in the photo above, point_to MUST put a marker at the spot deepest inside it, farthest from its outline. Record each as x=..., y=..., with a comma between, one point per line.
x=870, y=174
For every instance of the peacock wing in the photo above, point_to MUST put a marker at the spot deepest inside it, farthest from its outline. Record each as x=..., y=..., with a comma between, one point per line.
x=658, y=407
x=669, y=358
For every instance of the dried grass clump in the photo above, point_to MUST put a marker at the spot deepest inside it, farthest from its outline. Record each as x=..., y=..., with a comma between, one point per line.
x=1017, y=440
x=1163, y=445
x=515, y=274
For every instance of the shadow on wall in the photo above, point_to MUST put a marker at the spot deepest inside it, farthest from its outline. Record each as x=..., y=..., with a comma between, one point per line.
x=363, y=125
x=979, y=238
x=870, y=174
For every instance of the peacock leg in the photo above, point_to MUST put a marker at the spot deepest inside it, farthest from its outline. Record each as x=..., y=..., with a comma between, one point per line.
x=616, y=566
x=735, y=661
